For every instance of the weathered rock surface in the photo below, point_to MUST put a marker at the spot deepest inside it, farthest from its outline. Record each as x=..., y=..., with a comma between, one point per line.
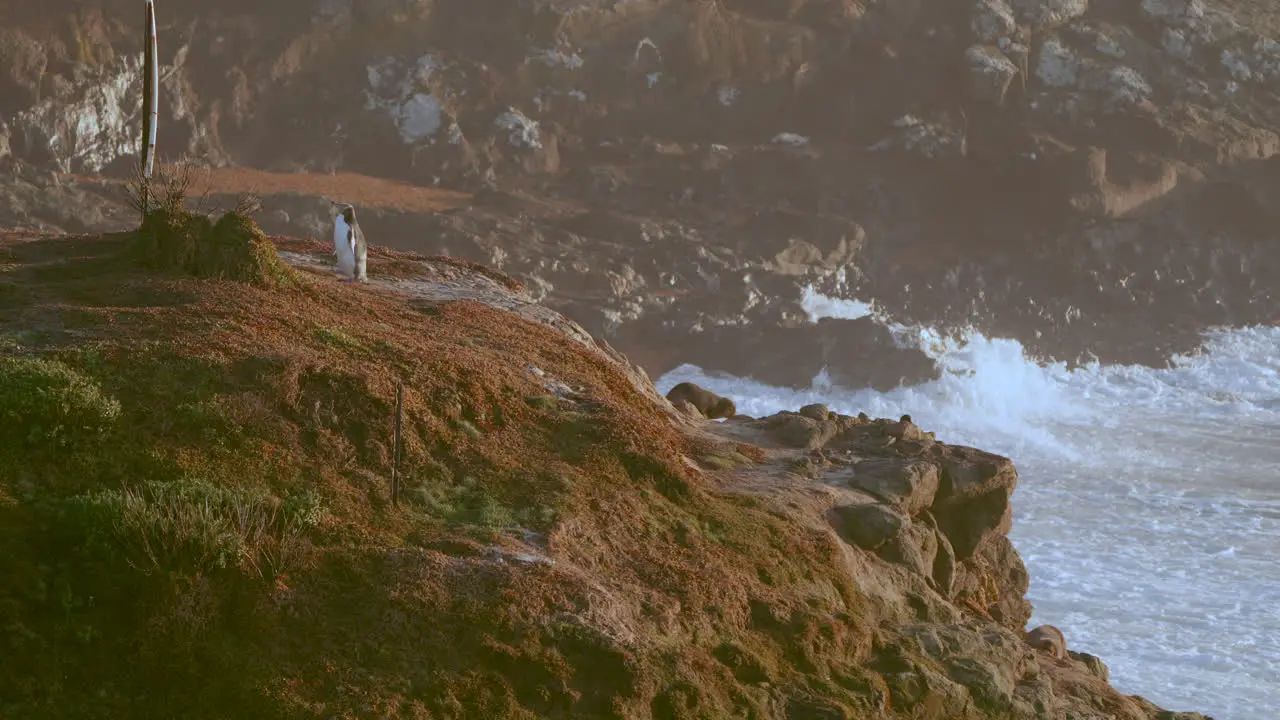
x=1084, y=179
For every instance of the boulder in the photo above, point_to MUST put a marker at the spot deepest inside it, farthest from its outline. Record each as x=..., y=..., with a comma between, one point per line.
x=968, y=473
x=992, y=20
x=990, y=684
x=909, y=485
x=800, y=431
x=868, y=525
x=915, y=548
x=1093, y=663
x=1057, y=65
x=1047, y=14
x=816, y=411
x=990, y=73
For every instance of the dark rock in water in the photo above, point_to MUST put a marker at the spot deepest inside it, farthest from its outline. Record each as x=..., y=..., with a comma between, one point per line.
x=869, y=525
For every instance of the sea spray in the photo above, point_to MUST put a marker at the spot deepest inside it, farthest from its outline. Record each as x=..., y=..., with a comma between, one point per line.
x=1148, y=511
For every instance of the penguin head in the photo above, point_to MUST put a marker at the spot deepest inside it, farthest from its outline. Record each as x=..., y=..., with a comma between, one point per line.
x=345, y=210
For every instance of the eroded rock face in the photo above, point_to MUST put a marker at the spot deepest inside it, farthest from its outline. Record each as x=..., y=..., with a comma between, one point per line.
x=744, y=155
x=941, y=511
x=926, y=519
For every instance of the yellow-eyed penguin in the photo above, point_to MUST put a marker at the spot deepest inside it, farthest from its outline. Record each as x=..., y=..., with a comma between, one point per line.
x=349, y=243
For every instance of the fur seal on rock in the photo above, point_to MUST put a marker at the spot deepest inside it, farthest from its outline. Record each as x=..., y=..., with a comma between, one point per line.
x=711, y=405
x=1048, y=637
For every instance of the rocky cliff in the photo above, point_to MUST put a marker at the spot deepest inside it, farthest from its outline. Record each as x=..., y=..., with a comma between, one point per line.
x=195, y=479
x=1093, y=178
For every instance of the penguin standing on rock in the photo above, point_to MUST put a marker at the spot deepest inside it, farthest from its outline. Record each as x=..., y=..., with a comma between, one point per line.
x=349, y=244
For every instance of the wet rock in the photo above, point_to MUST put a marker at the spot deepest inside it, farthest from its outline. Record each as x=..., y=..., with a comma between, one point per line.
x=867, y=526
x=797, y=244
x=537, y=150
x=1058, y=66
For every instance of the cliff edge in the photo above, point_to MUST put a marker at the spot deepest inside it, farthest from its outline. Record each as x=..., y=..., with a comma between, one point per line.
x=195, y=513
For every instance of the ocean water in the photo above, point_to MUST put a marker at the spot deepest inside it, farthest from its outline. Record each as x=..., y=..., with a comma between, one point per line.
x=1148, y=511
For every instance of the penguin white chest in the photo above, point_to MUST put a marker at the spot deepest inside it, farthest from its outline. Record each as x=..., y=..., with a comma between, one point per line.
x=343, y=246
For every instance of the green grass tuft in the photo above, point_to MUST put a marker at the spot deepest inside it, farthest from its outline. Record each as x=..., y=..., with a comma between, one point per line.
x=194, y=526
x=547, y=403
x=337, y=338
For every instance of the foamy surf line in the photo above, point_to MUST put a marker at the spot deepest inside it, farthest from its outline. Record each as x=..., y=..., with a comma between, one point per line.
x=1149, y=508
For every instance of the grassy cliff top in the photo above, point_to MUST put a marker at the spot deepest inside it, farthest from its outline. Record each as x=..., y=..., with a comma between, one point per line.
x=195, y=513
x=195, y=516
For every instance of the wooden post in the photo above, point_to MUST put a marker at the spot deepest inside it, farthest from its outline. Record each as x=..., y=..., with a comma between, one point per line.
x=395, y=447
x=150, y=102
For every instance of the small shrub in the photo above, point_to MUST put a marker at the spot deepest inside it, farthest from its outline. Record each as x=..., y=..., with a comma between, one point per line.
x=195, y=526
x=305, y=508
x=46, y=402
x=172, y=238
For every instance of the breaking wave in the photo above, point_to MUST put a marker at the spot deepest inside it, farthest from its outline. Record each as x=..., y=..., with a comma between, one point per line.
x=1148, y=511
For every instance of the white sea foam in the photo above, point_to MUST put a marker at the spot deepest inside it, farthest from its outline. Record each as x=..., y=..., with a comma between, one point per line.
x=1149, y=508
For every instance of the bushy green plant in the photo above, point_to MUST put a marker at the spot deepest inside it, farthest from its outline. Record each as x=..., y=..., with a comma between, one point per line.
x=190, y=526
x=47, y=403
x=173, y=238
